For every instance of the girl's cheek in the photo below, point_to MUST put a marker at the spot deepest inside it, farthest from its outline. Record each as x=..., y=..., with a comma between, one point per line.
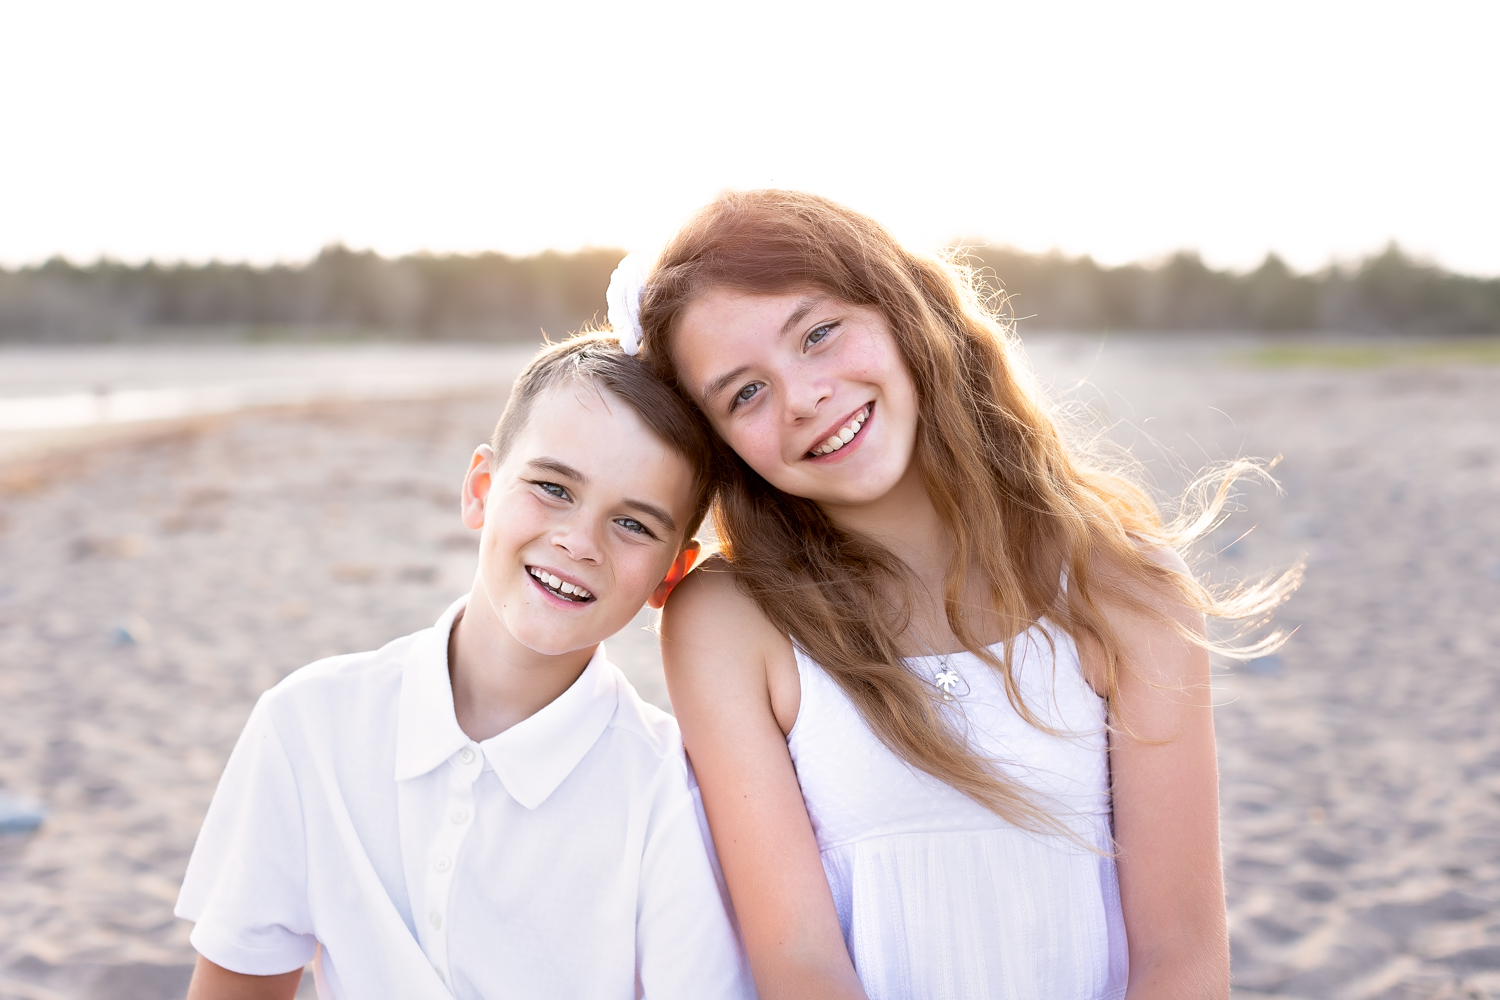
x=746, y=438
x=768, y=445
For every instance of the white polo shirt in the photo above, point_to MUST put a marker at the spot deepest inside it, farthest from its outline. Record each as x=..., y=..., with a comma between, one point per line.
x=565, y=857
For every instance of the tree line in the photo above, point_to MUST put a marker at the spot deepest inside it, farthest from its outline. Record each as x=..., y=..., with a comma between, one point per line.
x=493, y=296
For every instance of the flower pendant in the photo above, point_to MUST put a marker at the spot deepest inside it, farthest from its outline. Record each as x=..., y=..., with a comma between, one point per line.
x=947, y=679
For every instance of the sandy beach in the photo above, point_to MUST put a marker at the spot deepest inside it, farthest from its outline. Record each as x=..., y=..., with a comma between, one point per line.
x=152, y=584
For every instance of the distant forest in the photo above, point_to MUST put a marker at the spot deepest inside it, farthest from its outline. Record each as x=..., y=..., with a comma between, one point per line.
x=497, y=297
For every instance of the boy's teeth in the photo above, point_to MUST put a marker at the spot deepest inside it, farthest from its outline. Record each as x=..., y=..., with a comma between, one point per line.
x=558, y=585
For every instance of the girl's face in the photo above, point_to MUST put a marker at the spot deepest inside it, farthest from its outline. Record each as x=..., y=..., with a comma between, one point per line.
x=810, y=391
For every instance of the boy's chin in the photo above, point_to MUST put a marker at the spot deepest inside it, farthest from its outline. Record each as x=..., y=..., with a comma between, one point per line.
x=561, y=638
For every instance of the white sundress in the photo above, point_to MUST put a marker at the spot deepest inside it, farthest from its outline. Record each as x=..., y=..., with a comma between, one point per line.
x=937, y=896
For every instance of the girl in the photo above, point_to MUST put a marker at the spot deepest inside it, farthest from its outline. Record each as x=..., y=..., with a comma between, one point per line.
x=949, y=704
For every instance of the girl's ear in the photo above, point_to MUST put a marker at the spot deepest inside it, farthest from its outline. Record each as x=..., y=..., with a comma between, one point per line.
x=476, y=487
x=681, y=566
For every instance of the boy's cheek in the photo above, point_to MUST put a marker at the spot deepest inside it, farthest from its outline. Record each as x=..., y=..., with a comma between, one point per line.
x=636, y=580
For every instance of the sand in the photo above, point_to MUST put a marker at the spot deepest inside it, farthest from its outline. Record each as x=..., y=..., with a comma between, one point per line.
x=152, y=586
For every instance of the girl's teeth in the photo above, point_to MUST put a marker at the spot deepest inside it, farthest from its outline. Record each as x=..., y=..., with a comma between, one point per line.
x=845, y=434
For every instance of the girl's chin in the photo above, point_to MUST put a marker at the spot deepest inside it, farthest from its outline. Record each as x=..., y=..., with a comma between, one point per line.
x=858, y=492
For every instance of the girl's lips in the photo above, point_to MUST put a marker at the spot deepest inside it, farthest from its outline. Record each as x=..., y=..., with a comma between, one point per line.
x=851, y=444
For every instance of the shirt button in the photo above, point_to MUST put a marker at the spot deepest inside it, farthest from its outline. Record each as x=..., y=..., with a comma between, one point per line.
x=443, y=863
x=466, y=755
x=459, y=815
x=436, y=919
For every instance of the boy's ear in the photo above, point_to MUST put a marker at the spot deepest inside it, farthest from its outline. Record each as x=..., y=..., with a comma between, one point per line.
x=680, y=568
x=476, y=487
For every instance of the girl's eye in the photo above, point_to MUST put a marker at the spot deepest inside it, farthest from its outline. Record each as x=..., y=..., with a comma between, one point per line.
x=632, y=525
x=747, y=393
x=553, y=490
x=819, y=333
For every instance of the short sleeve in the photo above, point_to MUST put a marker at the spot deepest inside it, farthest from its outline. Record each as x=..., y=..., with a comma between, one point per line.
x=687, y=944
x=246, y=883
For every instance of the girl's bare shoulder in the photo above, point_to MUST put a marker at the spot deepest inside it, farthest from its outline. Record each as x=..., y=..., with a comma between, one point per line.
x=717, y=642
x=708, y=609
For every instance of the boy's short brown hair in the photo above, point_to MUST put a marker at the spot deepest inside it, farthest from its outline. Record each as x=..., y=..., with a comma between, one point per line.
x=596, y=359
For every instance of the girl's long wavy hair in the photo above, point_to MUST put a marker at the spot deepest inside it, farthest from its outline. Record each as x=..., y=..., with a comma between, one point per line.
x=1019, y=504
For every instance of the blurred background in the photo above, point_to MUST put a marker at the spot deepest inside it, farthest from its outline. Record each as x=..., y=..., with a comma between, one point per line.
x=266, y=272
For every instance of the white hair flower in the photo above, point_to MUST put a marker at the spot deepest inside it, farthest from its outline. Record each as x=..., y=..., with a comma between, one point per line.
x=626, y=286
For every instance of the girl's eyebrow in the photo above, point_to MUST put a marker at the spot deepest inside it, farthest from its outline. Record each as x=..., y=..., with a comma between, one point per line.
x=719, y=384
x=805, y=305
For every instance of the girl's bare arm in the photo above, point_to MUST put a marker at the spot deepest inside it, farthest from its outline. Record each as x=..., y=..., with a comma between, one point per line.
x=1166, y=809
x=214, y=982
x=723, y=662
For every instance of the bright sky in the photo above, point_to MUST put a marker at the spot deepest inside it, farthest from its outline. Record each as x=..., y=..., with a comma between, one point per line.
x=264, y=130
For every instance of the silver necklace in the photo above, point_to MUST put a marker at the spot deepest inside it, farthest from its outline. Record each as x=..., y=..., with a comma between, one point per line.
x=947, y=679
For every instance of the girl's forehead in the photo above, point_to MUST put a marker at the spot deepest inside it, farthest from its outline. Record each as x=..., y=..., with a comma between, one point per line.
x=722, y=321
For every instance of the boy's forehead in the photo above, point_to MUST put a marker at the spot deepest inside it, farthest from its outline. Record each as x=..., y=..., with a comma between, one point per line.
x=578, y=399
x=599, y=434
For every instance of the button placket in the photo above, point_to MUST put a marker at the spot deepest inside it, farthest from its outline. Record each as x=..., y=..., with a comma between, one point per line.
x=453, y=827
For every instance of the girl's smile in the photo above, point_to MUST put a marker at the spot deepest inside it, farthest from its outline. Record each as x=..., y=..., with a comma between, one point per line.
x=794, y=381
x=846, y=438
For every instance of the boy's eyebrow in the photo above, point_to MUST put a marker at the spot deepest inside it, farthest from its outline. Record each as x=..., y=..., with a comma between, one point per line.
x=804, y=306
x=563, y=469
x=652, y=510
x=558, y=468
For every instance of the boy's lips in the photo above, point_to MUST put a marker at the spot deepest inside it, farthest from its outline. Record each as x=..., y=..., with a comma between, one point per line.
x=842, y=435
x=559, y=587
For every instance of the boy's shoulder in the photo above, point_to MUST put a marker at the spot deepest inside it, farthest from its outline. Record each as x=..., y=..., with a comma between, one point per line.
x=329, y=695
x=642, y=723
x=336, y=674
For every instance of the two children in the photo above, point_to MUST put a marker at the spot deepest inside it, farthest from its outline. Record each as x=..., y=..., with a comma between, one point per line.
x=948, y=695
x=486, y=808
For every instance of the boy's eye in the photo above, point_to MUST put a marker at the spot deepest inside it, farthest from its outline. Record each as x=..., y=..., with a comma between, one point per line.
x=819, y=333
x=554, y=490
x=747, y=393
x=632, y=525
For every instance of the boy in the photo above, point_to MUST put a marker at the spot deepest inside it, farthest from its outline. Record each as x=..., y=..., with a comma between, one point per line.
x=486, y=808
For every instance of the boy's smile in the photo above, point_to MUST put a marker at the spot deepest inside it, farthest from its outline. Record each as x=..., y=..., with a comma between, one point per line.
x=560, y=586
x=582, y=519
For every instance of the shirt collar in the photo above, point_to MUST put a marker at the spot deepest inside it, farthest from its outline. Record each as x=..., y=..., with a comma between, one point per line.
x=427, y=730
x=532, y=757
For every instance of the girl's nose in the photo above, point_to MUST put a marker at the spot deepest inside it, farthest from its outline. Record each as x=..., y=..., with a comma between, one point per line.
x=805, y=395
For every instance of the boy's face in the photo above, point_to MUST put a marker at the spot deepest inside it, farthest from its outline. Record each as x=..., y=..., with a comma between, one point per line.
x=582, y=520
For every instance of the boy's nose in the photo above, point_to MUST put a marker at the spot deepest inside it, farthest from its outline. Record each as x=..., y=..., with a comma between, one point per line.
x=579, y=542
